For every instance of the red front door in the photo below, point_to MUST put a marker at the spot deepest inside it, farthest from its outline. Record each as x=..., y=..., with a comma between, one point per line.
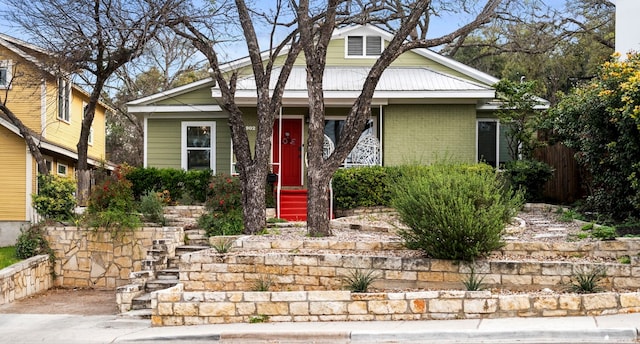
x=288, y=141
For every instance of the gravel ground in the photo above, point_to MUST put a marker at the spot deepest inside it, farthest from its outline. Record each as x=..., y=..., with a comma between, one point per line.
x=534, y=223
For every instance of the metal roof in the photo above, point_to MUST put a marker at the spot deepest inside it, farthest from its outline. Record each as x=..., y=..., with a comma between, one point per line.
x=394, y=79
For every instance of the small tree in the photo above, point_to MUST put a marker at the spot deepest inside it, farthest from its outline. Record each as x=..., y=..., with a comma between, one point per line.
x=601, y=121
x=518, y=112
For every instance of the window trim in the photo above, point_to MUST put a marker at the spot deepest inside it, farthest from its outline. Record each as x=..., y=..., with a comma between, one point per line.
x=363, y=54
x=64, y=100
x=183, y=143
x=8, y=66
x=497, y=121
x=65, y=168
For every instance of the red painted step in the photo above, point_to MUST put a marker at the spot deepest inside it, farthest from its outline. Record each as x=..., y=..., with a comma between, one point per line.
x=293, y=205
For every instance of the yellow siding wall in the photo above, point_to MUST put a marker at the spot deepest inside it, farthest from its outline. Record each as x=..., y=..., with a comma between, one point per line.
x=23, y=99
x=65, y=133
x=12, y=176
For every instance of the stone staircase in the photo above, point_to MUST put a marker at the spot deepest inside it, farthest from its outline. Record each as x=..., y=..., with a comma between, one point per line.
x=160, y=269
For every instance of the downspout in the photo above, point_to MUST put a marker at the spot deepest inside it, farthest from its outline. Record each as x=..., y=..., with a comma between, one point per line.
x=381, y=135
x=278, y=163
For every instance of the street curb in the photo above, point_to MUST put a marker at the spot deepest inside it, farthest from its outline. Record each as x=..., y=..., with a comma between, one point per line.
x=621, y=335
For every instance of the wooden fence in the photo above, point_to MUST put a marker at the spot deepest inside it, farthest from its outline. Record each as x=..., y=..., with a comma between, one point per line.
x=566, y=186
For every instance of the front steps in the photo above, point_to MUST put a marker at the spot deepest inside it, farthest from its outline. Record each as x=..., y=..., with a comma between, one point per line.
x=293, y=205
x=160, y=271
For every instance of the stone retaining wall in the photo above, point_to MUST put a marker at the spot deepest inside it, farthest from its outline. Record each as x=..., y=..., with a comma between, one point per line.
x=96, y=259
x=208, y=270
x=620, y=247
x=28, y=277
x=174, y=306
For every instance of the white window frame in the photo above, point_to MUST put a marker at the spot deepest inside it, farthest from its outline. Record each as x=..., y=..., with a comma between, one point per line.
x=363, y=53
x=64, y=100
x=6, y=65
x=65, y=169
x=212, y=146
x=375, y=133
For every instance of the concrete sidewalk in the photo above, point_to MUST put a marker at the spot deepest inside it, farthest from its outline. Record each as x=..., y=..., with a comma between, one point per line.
x=35, y=328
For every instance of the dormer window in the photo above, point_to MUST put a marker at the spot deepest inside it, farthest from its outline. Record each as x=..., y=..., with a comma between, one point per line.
x=364, y=46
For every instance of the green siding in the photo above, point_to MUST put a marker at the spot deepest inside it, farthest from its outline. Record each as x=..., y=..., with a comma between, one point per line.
x=199, y=96
x=424, y=133
x=336, y=57
x=164, y=143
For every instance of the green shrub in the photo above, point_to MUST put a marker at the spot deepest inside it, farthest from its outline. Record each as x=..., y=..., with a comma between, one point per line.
x=222, y=223
x=473, y=282
x=362, y=186
x=196, y=183
x=111, y=204
x=151, y=207
x=224, y=193
x=55, y=199
x=187, y=186
x=454, y=211
x=32, y=242
x=528, y=175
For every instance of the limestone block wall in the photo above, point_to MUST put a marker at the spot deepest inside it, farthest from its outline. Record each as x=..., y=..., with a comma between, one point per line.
x=174, y=306
x=96, y=259
x=209, y=271
x=28, y=277
x=596, y=249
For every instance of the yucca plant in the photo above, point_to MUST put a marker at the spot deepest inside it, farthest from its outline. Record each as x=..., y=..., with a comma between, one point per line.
x=473, y=282
x=359, y=281
x=222, y=246
x=263, y=283
x=587, y=281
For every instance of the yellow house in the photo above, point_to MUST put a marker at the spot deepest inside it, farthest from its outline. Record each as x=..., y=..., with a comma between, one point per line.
x=52, y=108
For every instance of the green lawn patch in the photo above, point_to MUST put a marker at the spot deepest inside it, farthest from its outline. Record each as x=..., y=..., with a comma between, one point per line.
x=7, y=256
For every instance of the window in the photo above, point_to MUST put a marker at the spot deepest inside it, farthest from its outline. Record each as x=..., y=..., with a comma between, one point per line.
x=333, y=130
x=364, y=46
x=62, y=169
x=492, y=145
x=49, y=164
x=198, y=145
x=5, y=74
x=64, y=99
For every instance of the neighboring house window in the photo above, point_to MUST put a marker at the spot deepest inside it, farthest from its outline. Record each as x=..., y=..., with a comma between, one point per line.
x=64, y=99
x=333, y=130
x=198, y=145
x=49, y=164
x=5, y=74
x=62, y=169
x=364, y=46
x=492, y=145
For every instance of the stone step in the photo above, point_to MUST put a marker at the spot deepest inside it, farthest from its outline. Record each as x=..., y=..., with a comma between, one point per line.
x=173, y=262
x=168, y=274
x=159, y=284
x=180, y=250
x=141, y=302
x=137, y=314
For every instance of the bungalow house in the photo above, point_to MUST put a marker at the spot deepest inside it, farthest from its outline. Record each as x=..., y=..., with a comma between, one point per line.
x=425, y=106
x=52, y=108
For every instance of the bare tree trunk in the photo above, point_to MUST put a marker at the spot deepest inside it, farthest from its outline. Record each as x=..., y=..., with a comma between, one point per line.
x=318, y=220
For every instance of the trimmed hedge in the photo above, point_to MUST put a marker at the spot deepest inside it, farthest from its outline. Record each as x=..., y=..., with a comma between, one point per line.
x=180, y=184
